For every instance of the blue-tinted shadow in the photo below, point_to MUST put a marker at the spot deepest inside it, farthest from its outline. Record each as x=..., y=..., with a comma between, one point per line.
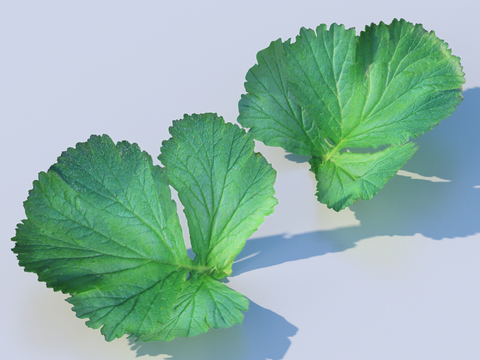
x=404, y=207
x=434, y=209
x=262, y=335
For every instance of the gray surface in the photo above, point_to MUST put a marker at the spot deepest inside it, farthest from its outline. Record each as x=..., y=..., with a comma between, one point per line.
x=393, y=278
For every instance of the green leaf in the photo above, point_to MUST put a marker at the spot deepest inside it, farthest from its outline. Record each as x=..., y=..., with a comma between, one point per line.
x=350, y=176
x=226, y=188
x=101, y=225
x=283, y=122
x=392, y=83
x=204, y=303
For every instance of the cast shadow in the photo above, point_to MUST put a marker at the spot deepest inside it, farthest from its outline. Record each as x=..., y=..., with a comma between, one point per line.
x=434, y=209
x=405, y=206
x=262, y=335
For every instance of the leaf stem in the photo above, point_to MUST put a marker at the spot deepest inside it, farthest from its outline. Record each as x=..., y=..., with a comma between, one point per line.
x=333, y=151
x=200, y=269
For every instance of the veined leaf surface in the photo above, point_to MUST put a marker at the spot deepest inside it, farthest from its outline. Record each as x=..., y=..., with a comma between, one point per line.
x=225, y=186
x=331, y=91
x=101, y=226
x=202, y=304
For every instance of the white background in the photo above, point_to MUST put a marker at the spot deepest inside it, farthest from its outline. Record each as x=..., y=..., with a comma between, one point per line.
x=393, y=278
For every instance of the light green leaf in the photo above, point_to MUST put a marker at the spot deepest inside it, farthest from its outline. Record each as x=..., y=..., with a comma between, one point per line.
x=350, y=176
x=225, y=187
x=392, y=83
x=204, y=303
x=283, y=122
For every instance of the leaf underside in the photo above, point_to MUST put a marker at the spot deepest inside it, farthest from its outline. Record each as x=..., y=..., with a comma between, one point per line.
x=332, y=91
x=102, y=226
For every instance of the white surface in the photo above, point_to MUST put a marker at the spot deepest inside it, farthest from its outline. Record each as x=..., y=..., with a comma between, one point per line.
x=393, y=278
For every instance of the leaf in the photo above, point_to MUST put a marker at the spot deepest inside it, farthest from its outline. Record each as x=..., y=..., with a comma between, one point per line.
x=225, y=186
x=203, y=303
x=392, y=83
x=282, y=122
x=101, y=225
x=351, y=176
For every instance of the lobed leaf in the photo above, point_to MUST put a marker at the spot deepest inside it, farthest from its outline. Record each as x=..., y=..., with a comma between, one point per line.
x=387, y=85
x=101, y=225
x=226, y=188
x=204, y=303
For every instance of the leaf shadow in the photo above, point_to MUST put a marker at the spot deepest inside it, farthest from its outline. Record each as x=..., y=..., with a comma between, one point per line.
x=262, y=335
x=405, y=206
x=435, y=209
